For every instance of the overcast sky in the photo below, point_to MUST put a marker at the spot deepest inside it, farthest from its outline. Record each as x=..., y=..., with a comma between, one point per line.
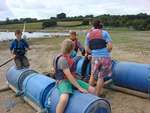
x=48, y=8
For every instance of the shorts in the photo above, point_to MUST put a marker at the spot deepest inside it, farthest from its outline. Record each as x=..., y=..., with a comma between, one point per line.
x=66, y=87
x=101, y=67
x=21, y=62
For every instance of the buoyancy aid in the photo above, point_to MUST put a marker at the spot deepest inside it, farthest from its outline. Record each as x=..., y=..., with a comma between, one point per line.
x=96, y=40
x=17, y=50
x=59, y=74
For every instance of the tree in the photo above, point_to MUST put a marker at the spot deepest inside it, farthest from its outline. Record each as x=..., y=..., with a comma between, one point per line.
x=85, y=22
x=61, y=16
x=89, y=16
x=50, y=23
x=7, y=21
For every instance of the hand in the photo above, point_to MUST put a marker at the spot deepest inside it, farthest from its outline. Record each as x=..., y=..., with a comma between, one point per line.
x=83, y=53
x=29, y=48
x=52, y=70
x=13, y=55
x=89, y=57
x=82, y=90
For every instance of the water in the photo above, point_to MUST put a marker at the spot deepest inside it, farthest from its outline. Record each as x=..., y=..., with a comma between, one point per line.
x=4, y=36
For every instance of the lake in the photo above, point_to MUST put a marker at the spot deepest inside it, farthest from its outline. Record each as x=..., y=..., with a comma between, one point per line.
x=4, y=36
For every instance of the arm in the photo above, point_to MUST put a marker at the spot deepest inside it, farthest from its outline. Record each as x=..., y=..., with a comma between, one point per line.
x=73, y=80
x=109, y=46
x=108, y=40
x=26, y=45
x=87, y=49
x=81, y=48
x=12, y=49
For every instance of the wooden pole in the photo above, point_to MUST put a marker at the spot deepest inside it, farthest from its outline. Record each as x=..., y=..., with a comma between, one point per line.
x=107, y=82
x=32, y=104
x=6, y=62
x=4, y=88
x=129, y=91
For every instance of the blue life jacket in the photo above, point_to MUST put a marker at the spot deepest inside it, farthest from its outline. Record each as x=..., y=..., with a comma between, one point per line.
x=18, y=50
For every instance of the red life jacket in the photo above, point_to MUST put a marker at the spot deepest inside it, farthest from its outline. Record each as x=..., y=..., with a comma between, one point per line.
x=96, y=40
x=59, y=74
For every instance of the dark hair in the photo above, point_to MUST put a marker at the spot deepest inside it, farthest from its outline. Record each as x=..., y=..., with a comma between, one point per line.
x=73, y=33
x=18, y=31
x=97, y=24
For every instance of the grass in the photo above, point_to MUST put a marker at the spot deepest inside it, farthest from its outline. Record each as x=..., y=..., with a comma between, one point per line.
x=37, y=26
x=126, y=40
x=29, y=26
x=70, y=23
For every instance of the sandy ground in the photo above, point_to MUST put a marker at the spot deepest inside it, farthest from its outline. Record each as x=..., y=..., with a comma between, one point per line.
x=40, y=58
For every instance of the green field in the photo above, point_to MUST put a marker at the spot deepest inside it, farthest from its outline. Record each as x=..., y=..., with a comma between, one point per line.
x=29, y=26
x=70, y=23
x=123, y=38
x=126, y=39
x=36, y=26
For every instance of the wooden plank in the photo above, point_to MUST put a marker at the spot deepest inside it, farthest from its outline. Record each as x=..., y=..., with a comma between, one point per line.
x=32, y=104
x=4, y=88
x=108, y=82
x=129, y=91
x=12, y=87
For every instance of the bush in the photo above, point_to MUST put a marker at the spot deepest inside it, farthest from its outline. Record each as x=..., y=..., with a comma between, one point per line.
x=85, y=22
x=50, y=23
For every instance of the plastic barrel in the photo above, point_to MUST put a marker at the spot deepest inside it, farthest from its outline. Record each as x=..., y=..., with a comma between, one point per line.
x=16, y=77
x=76, y=60
x=83, y=67
x=36, y=88
x=78, y=103
x=80, y=62
x=132, y=75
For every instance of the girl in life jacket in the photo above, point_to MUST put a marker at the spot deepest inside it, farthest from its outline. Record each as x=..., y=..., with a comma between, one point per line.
x=77, y=44
x=66, y=78
x=99, y=44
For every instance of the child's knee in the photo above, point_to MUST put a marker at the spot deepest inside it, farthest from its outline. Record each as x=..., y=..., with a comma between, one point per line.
x=91, y=90
x=64, y=98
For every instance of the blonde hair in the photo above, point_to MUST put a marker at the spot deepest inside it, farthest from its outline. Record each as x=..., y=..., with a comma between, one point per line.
x=67, y=46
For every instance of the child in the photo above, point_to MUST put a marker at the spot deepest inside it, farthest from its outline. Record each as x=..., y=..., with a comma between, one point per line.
x=65, y=76
x=77, y=44
x=99, y=44
x=18, y=49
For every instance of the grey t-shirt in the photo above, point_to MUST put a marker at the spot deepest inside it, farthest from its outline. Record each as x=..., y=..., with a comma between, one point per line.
x=61, y=64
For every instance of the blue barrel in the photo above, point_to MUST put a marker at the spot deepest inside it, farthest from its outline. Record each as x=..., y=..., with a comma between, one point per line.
x=83, y=67
x=78, y=103
x=80, y=62
x=36, y=88
x=16, y=77
x=132, y=75
x=76, y=60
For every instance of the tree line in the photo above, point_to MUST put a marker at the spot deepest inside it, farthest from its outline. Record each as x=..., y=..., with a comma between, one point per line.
x=138, y=22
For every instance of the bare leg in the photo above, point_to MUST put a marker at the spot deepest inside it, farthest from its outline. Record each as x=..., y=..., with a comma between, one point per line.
x=62, y=103
x=99, y=86
x=92, y=80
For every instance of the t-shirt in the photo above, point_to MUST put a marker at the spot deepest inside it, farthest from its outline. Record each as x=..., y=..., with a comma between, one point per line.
x=104, y=52
x=22, y=44
x=78, y=45
x=61, y=64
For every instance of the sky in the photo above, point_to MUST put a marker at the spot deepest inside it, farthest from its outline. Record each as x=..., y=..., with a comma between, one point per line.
x=43, y=9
